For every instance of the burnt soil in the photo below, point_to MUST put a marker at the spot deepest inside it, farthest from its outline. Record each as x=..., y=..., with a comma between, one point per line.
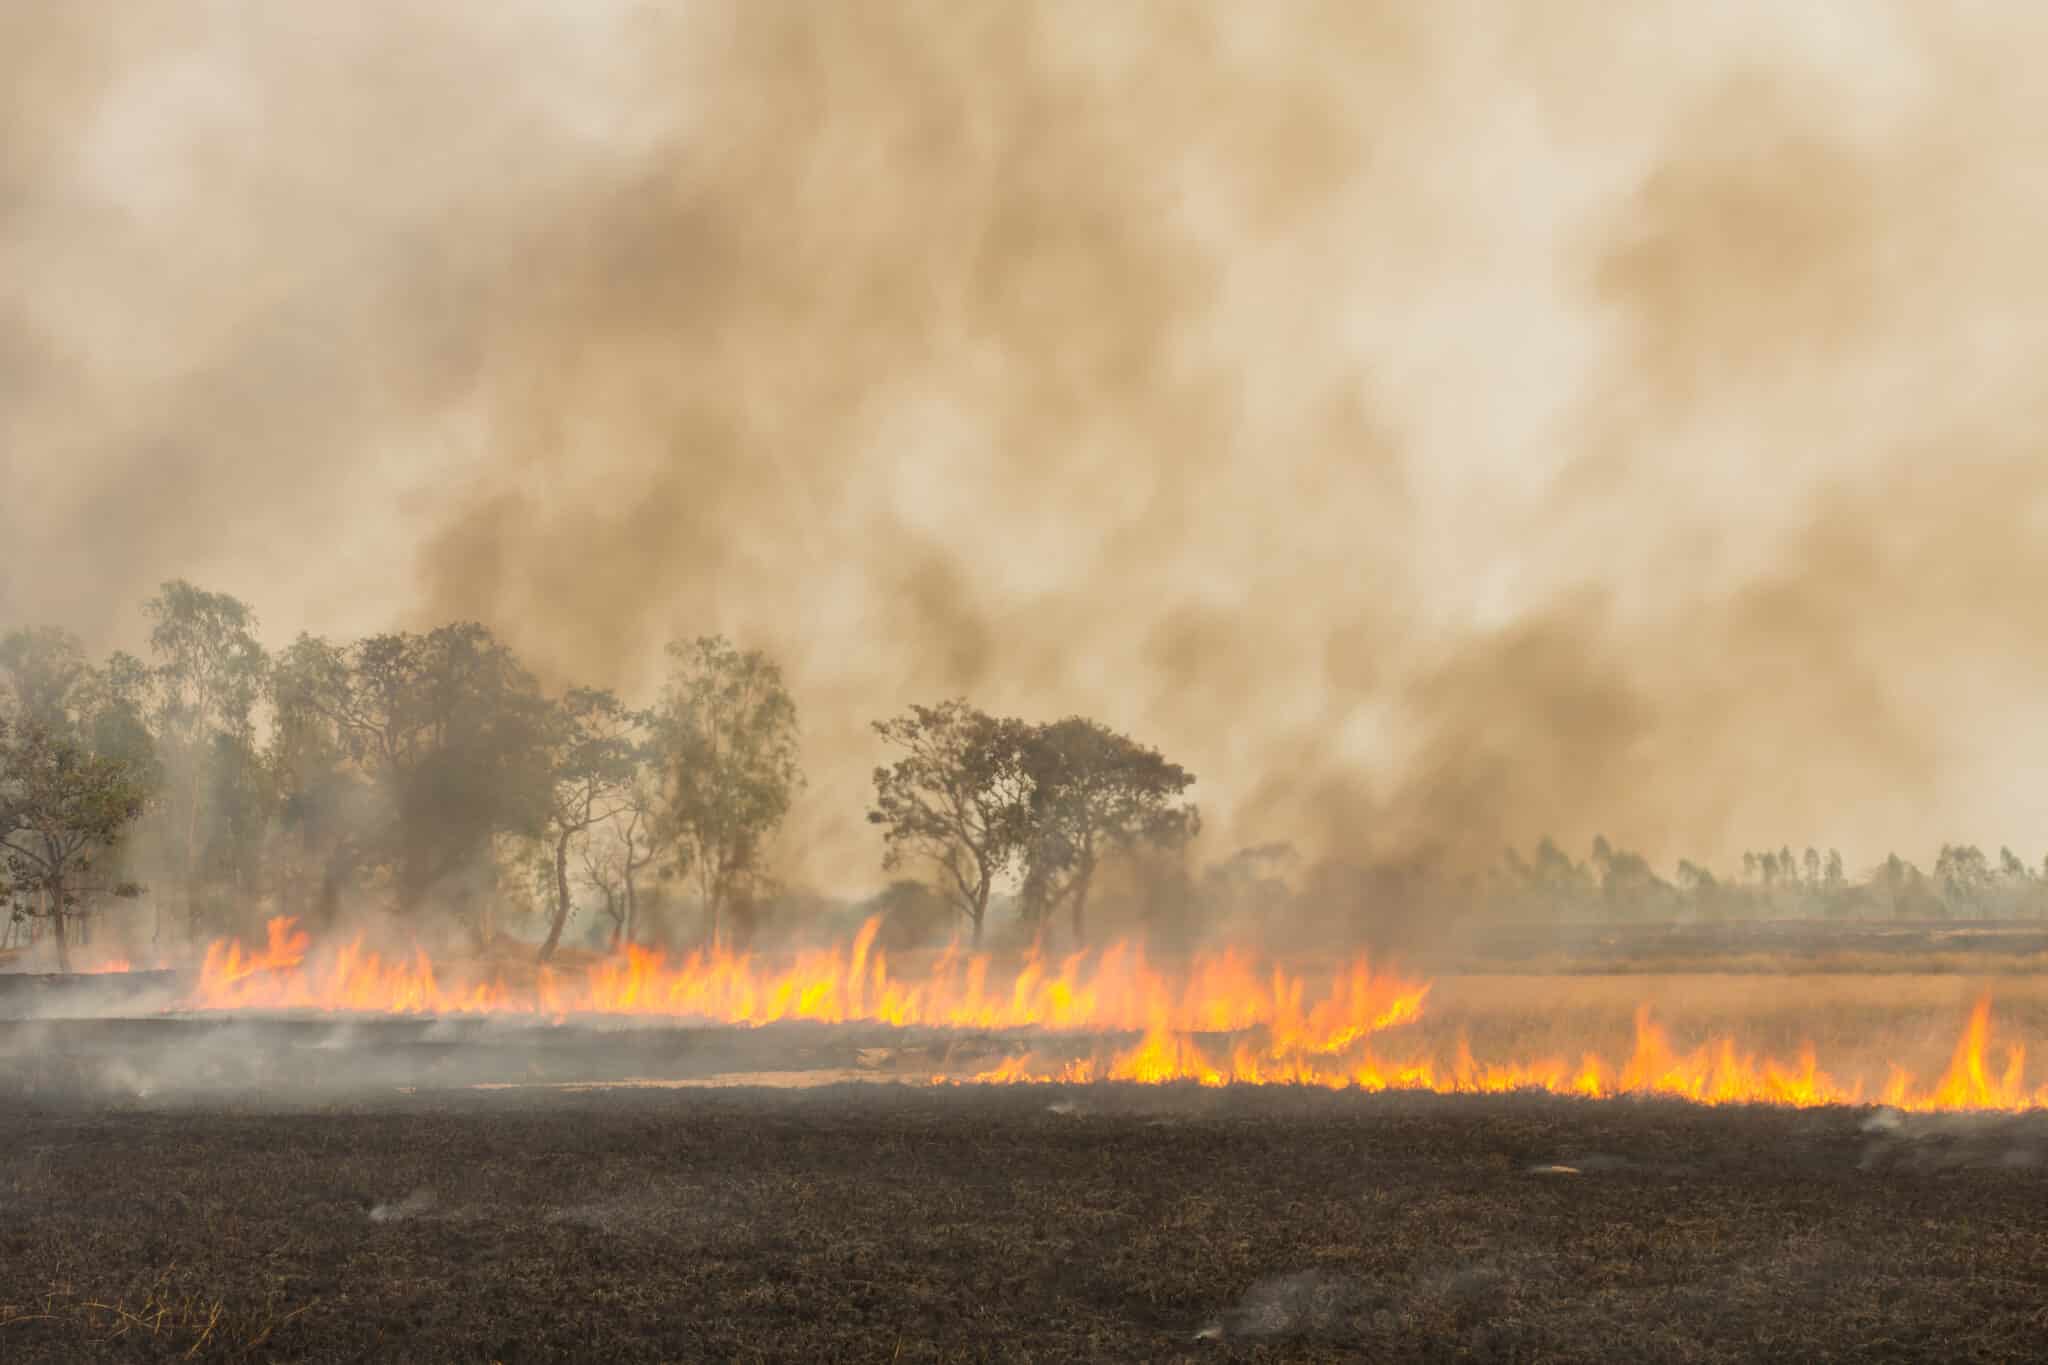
x=885, y=1222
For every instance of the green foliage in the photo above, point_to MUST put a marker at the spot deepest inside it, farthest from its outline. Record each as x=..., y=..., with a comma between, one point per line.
x=975, y=796
x=210, y=674
x=114, y=714
x=596, y=753
x=447, y=730
x=44, y=668
x=62, y=809
x=725, y=739
x=212, y=670
x=1093, y=792
x=958, y=799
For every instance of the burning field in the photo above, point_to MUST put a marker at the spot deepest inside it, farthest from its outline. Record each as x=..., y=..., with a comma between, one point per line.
x=316, y=1150
x=1214, y=1019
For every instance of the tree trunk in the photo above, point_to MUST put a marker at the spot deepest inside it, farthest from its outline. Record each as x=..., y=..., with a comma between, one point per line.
x=1081, y=910
x=561, y=916
x=632, y=903
x=192, y=860
x=57, y=923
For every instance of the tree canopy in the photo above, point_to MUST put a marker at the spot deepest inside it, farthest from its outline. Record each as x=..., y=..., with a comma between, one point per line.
x=957, y=799
x=975, y=797
x=725, y=738
x=62, y=808
x=1093, y=792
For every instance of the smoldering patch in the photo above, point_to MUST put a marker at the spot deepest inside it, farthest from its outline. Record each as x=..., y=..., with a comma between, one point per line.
x=1985, y=1141
x=419, y=1204
x=1302, y=1304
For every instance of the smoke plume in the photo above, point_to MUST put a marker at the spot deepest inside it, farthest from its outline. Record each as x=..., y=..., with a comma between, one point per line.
x=1433, y=425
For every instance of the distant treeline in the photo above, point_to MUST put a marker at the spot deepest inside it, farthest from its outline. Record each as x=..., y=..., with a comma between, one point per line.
x=1964, y=883
x=217, y=781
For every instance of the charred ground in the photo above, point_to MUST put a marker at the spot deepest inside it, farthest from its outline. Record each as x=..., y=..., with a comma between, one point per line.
x=880, y=1222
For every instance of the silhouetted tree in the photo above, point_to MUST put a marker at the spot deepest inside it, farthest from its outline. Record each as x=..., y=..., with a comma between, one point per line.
x=958, y=798
x=1093, y=792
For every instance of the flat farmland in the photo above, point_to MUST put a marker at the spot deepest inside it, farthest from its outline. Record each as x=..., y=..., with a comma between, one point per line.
x=337, y=1188
x=880, y=1222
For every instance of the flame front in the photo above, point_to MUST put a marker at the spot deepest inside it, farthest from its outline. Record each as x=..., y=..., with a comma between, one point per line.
x=1114, y=991
x=1220, y=1019
x=1714, y=1073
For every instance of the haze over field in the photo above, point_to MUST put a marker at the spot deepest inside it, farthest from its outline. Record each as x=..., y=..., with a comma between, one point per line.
x=1434, y=428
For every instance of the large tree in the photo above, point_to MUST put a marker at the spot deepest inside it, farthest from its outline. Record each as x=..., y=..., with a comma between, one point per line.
x=957, y=799
x=62, y=810
x=596, y=760
x=1093, y=793
x=211, y=673
x=452, y=736
x=726, y=739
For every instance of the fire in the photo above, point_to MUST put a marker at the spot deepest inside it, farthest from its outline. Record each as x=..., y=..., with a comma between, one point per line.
x=1716, y=1072
x=1114, y=991
x=1219, y=1019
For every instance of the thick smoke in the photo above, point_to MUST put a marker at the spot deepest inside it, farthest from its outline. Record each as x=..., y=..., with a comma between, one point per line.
x=1435, y=426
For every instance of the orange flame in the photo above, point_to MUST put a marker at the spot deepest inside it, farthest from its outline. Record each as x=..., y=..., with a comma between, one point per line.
x=1714, y=1073
x=1221, y=1019
x=1116, y=990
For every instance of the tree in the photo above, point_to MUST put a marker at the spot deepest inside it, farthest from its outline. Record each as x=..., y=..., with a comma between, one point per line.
x=602, y=873
x=616, y=854
x=44, y=666
x=1627, y=881
x=1965, y=876
x=1093, y=792
x=113, y=705
x=726, y=736
x=596, y=760
x=1561, y=884
x=61, y=809
x=326, y=814
x=958, y=798
x=450, y=732
x=212, y=672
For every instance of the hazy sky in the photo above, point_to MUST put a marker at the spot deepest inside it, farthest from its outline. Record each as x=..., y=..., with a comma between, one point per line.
x=1434, y=424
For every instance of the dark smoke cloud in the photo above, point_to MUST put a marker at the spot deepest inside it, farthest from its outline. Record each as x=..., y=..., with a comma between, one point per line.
x=1434, y=426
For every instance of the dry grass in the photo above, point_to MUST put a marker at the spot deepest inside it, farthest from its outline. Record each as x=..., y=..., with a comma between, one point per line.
x=164, y=1321
x=1985, y=963
x=1854, y=1022
x=1770, y=947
